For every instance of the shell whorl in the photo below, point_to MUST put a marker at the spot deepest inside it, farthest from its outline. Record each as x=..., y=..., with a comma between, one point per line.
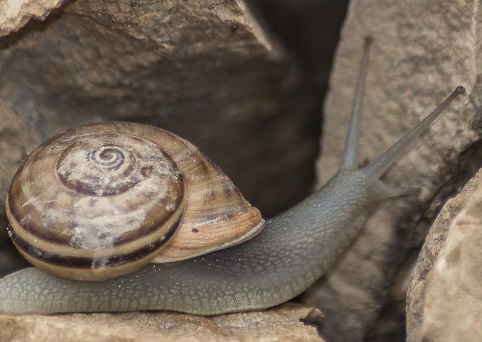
x=102, y=200
x=95, y=166
x=94, y=205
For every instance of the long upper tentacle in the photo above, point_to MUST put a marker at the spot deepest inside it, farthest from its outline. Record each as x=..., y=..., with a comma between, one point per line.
x=350, y=155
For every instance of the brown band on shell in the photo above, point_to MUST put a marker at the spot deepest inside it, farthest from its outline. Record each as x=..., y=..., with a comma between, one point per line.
x=162, y=233
x=31, y=230
x=112, y=260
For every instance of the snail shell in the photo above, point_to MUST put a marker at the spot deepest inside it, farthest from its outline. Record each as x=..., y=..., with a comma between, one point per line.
x=102, y=200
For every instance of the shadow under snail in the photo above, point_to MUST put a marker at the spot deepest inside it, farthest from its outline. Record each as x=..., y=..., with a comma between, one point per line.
x=75, y=201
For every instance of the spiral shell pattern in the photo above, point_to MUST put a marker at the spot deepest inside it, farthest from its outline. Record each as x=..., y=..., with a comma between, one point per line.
x=103, y=200
x=94, y=206
x=112, y=169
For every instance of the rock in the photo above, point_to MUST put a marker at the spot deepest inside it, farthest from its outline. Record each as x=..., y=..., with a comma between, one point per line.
x=312, y=34
x=445, y=296
x=279, y=324
x=16, y=13
x=417, y=59
x=204, y=69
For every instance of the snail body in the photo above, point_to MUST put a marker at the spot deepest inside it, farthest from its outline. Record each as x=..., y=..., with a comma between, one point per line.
x=271, y=261
x=251, y=275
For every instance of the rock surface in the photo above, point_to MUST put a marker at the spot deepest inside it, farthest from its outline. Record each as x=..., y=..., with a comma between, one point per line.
x=279, y=324
x=16, y=13
x=445, y=296
x=421, y=52
x=203, y=69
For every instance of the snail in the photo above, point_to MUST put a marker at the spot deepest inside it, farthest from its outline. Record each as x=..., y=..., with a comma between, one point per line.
x=233, y=260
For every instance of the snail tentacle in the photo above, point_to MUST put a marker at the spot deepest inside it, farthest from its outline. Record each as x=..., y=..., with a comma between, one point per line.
x=378, y=167
x=350, y=155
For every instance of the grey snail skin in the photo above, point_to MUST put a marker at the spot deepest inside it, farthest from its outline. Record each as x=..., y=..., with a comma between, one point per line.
x=265, y=263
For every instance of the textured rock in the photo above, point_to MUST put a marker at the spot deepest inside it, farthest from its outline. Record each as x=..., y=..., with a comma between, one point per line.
x=203, y=69
x=16, y=13
x=422, y=51
x=312, y=34
x=445, y=296
x=280, y=324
